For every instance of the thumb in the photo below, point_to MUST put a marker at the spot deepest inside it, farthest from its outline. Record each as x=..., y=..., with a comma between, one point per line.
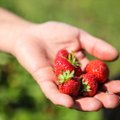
x=97, y=47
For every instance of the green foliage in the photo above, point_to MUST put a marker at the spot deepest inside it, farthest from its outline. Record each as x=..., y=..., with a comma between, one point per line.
x=20, y=96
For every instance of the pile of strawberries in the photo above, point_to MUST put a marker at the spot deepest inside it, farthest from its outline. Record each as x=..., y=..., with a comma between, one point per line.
x=73, y=81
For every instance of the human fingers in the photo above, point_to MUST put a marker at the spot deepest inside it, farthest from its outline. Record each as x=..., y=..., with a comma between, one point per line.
x=108, y=100
x=112, y=86
x=45, y=77
x=87, y=104
x=97, y=47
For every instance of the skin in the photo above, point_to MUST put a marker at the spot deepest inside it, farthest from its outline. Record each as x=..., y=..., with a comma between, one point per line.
x=35, y=46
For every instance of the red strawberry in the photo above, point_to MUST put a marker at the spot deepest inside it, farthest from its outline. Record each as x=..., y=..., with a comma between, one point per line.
x=68, y=84
x=61, y=64
x=78, y=71
x=89, y=85
x=66, y=61
x=99, y=69
x=62, y=53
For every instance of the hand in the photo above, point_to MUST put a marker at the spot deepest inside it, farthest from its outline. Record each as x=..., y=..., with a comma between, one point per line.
x=36, y=48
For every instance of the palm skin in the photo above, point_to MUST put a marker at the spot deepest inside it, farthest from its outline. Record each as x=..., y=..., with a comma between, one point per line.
x=38, y=47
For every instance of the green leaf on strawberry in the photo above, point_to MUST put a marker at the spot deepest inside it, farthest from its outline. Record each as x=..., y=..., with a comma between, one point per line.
x=86, y=86
x=73, y=60
x=65, y=76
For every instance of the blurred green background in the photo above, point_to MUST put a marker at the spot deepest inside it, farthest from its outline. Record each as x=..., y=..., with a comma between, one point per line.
x=20, y=96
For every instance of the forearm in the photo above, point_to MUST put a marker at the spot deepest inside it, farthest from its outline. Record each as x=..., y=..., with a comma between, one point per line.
x=11, y=27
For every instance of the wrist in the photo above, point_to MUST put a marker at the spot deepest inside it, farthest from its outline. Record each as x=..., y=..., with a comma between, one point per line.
x=10, y=32
x=11, y=28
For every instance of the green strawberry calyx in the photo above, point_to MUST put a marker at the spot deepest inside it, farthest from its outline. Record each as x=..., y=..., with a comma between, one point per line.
x=73, y=60
x=86, y=87
x=65, y=76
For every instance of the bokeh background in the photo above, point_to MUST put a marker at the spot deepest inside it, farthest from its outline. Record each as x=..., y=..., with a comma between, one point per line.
x=20, y=96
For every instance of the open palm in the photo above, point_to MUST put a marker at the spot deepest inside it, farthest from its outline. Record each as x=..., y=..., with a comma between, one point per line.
x=37, y=47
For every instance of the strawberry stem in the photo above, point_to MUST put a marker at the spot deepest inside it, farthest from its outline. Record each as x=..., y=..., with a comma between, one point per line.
x=73, y=60
x=65, y=76
x=86, y=87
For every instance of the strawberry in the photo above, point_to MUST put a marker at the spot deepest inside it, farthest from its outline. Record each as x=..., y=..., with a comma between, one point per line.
x=66, y=61
x=89, y=85
x=68, y=84
x=62, y=53
x=99, y=69
x=61, y=64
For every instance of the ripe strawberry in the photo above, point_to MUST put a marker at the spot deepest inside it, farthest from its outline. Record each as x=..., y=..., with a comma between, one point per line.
x=89, y=85
x=99, y=69
x=68, y=84
x=62, y=53
x=66, y=61
x=61, y=64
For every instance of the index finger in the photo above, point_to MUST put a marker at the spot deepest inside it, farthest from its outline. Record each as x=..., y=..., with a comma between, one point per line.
x=97, y=47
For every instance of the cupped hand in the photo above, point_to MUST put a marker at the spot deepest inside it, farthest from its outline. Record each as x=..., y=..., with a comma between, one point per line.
x=36, y=48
